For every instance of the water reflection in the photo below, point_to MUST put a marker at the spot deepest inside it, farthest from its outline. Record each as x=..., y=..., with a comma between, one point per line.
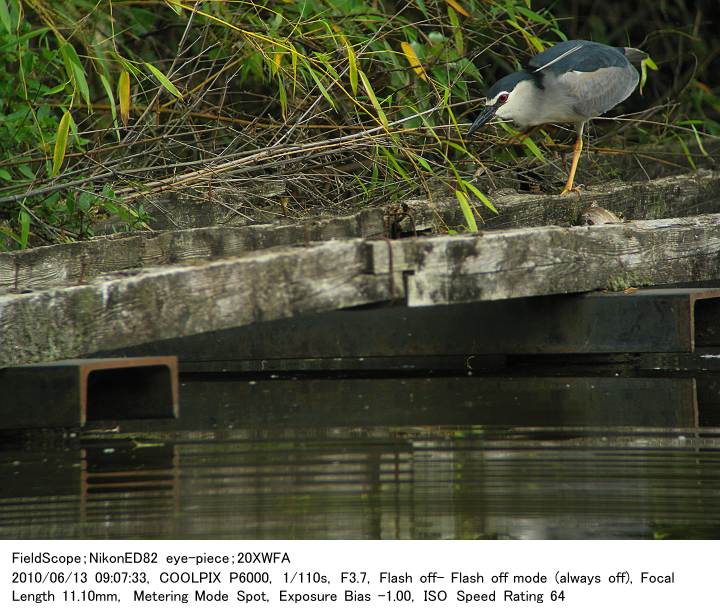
x=411, y=458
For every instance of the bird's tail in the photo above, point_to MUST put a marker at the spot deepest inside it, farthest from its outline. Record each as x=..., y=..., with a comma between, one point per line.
x=634, y=56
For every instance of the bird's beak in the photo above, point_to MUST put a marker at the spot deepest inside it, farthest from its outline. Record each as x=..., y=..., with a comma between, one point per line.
x=485, y=116
x=635, y=56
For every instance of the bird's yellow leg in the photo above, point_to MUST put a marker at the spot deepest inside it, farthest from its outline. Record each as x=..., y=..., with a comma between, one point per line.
x=577, y=150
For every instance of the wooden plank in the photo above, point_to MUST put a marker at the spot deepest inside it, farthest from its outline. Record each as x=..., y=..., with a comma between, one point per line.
x=668, y=197
x=182, y=300
x=80, y=262
x=173, y=301
x=552, y=260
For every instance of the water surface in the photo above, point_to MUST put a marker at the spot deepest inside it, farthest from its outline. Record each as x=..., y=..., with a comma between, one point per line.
x=419, y=458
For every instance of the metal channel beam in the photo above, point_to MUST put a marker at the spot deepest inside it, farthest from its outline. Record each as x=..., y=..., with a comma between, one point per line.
x=69, y=393
x=481, y=401
x=443, y=337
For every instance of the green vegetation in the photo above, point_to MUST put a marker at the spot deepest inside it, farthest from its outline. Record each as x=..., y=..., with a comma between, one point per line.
x=105, y=105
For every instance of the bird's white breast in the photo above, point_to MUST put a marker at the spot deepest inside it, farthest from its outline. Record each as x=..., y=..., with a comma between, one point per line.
x=528, y=105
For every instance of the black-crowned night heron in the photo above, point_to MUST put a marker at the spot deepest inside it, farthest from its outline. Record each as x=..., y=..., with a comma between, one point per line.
x=570, y=82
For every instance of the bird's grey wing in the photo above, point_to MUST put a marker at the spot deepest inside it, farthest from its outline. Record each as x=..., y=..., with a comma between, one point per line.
x=577, y=55
x=594, y=93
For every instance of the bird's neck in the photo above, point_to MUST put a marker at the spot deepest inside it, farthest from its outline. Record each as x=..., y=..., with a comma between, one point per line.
x=532, y=106
x=523, y=105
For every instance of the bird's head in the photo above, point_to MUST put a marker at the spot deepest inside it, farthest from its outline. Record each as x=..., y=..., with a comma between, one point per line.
x=503, y=98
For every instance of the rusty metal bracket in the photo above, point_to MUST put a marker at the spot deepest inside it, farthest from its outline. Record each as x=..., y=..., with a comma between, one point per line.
x=71, y=392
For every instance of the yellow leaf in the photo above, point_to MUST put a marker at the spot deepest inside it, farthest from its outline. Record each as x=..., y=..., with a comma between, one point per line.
x=413, y=60
x=458, y=7
x=61, y=140
x=646, y=64
x=124, y=96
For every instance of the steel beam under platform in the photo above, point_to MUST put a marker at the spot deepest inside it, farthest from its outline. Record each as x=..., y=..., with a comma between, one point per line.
x=69, y=393
x=444, y=337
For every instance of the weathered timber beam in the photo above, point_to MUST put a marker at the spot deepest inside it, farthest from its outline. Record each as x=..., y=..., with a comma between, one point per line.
x=552, y=260
x=173, y=301
x=177, y=301
x=668, y=197
x=80, y=262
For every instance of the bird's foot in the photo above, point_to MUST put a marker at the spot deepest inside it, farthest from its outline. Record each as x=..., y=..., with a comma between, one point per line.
x=570, y=189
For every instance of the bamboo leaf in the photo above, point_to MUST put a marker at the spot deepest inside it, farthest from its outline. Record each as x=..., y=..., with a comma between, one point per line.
x=164, y=81
x=686, y=150
x=413, y=59
x=294, y=62
x=61, y=140
x=650, y=63
x=373, y=99
x=124, y=96
x=283, y=98
x=5, y=16
x=75, y=71
x=458, y=7
x=533, y=148
x=126, y=65
x=480, y=195
x=319, y=84
x=699, y=141
x=326, y=64
x=352, y=67
x=424, y=163
x=8, y=232
x=457, y=36
x=21, y=39
x=24, y=220
x=533, y=16
x=113, y=108
x=466, y=210
x=525, y=140
x=56, y=89
x=646, y=64
x=456, y=146
x=396, y=165
x=108, y=91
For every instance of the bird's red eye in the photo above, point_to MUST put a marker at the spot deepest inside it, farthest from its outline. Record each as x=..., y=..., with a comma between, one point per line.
x=502, y=98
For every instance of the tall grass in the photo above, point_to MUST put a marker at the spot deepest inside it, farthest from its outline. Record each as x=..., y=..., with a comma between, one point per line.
x=106, y=105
